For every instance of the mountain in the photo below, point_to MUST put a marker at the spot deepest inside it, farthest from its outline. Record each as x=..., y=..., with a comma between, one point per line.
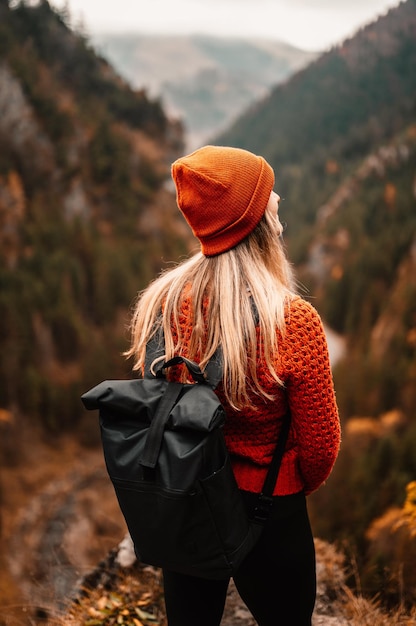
x=84, y=216
x=205, y=81
x=341, y=135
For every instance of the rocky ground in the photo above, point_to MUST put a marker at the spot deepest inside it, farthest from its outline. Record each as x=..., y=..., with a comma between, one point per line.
x=120, y=572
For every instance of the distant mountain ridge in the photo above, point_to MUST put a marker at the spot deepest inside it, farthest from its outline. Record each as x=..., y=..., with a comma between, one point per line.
x=206, y=81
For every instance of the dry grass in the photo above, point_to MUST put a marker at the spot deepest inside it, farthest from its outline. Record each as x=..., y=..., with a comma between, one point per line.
x=362, y=612
x=129, y=597
x=336, y=599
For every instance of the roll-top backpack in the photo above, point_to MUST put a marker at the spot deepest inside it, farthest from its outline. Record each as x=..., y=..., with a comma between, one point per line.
x=165, y=454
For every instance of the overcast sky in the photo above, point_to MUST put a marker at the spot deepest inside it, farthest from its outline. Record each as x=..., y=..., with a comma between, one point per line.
x=308, y=24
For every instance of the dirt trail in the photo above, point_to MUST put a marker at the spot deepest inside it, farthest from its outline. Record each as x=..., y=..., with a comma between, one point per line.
x=59, y=518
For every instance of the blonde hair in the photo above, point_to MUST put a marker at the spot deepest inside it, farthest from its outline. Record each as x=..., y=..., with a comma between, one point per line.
x=222, y=290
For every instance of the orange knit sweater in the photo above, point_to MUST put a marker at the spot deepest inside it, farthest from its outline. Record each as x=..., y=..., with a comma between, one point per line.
x=314, y=437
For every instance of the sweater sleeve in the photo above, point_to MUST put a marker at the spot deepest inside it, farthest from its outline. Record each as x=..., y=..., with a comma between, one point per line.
x=311, y=394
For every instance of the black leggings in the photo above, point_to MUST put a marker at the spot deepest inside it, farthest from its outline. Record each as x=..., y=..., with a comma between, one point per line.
x=277, y=580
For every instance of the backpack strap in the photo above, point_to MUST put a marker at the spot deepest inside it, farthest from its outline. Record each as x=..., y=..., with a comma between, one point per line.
x=265, y=500
x=155, y=348
x=157, y=426
x=213, y=369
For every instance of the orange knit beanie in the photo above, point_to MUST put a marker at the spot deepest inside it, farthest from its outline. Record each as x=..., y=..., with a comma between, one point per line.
x=223, y=194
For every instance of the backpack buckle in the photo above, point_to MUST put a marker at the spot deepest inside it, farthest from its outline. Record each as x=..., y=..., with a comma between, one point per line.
x=262, y=509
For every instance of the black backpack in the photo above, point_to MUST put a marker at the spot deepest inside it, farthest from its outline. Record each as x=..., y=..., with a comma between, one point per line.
x=165, y=454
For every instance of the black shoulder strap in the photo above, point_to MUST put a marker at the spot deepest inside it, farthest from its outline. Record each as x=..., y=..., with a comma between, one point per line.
x=265, y=500
x=155, y=348
x=274, y=467
x=213, y=369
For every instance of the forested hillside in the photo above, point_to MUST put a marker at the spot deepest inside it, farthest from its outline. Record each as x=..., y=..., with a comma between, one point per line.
x=83, y=161
x=341, y=135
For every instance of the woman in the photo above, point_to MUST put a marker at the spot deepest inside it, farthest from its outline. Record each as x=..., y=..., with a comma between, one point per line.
x=238, y=293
